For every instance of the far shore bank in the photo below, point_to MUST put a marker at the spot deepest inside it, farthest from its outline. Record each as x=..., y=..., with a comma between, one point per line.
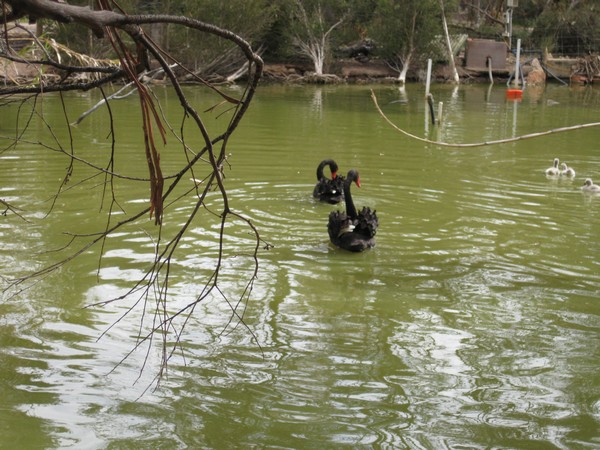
x=351, y=71
x=580, y=71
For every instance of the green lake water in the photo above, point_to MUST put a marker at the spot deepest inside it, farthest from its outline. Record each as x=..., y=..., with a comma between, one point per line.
x=474, y=322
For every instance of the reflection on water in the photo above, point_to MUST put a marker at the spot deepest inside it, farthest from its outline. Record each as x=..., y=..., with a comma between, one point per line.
x=473, y=322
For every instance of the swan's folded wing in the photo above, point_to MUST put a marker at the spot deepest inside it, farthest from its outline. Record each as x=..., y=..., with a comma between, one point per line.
x=338, y=221
x=367, y=222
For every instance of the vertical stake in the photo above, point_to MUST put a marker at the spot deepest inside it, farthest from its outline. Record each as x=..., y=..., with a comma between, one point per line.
x=517, y=62
x=428, y=81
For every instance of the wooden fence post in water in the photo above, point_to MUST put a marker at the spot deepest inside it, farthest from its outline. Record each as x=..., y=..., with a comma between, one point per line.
x=431, y=110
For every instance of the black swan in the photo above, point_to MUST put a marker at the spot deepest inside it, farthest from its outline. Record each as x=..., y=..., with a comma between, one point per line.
x=326, y=190
x=351, y=230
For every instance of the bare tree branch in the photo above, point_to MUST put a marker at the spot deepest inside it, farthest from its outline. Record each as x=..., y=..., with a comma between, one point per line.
x=151, y=291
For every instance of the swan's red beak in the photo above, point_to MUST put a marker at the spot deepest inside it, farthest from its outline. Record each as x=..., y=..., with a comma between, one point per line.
x=358, y=181
x=333, y=175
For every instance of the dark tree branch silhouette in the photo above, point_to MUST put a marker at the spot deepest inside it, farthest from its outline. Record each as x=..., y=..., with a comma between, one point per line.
x=135, y=50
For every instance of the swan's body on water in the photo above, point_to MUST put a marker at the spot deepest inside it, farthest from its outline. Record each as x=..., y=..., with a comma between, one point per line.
x=329, y=190
x=589, y=186
x=567, y=171
x=554, y=170
x=352, y=230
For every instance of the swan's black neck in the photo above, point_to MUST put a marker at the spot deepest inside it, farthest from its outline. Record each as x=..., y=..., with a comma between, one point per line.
x=327, y=162
x=350, y=208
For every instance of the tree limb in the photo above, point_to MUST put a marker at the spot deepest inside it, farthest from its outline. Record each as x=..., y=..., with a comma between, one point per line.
x=153, y=287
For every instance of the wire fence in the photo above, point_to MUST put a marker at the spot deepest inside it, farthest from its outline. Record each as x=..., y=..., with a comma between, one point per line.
x=568, y=45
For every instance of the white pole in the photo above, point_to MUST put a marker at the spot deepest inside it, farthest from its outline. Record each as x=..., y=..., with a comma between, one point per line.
x=517, y=62
x=428, y=81
x=515, y=111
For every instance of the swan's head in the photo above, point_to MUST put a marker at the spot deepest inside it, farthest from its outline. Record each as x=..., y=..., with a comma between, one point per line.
x=556, y=162
x=334, y=168
x=588, y=182
x=564, y=166
x=353, y=176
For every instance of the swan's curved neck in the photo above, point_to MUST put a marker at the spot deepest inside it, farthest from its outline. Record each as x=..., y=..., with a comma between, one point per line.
x=327, y=162
x=350, y=208
x=320, y=171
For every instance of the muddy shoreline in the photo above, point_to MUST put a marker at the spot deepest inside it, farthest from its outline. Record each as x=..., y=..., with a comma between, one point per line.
x=373, y=71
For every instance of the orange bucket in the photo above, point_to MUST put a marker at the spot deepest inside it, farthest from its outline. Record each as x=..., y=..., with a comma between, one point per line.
x=514, y=94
